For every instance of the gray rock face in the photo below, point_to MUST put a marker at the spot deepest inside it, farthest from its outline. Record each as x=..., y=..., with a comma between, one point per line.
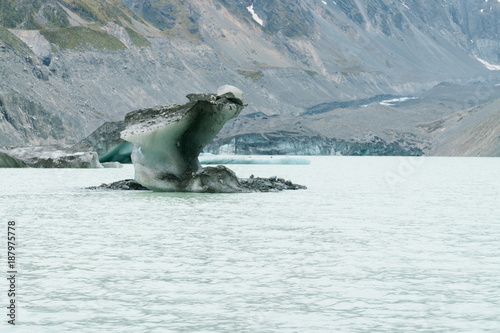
x=7, y=161
x=307, y=60
x=408, y=126
x=473, y=132
x=53, y=157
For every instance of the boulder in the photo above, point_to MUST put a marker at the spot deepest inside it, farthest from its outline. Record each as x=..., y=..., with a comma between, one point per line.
x=122, y=185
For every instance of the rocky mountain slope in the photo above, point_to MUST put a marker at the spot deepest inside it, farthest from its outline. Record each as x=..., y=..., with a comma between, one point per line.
x=313, y=72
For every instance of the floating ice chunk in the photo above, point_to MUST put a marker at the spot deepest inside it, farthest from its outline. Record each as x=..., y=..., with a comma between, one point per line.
x=168, y=140
x=247, y=159
x=106, y=142
x=112, y=165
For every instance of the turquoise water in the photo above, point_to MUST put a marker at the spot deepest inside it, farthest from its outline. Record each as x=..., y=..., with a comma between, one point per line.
x=374, y=245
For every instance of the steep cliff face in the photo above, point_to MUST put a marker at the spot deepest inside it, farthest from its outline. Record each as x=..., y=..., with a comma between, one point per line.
x=68, y=66
x=472, y=132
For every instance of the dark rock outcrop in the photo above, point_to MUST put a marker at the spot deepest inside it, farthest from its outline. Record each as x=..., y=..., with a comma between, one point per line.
x=271, y=184
x=123, y=185
x=7, y=161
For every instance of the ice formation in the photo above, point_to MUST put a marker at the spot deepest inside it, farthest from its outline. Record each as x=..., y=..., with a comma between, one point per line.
x=489, y=66
x=53, y=157
x=248, y=159
x=168, y=140
x=106, y=142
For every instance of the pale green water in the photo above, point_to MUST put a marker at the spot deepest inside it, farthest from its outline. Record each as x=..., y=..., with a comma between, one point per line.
x=374, y=245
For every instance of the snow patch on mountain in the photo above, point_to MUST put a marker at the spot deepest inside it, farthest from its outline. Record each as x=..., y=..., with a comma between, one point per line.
x=488, y=65
x=255, y=16
x=392, y=102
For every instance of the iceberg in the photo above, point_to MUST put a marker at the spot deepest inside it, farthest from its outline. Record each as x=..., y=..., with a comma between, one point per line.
x=167, y=141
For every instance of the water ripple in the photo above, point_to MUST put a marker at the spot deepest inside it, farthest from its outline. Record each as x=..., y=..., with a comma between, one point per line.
x=355, y=252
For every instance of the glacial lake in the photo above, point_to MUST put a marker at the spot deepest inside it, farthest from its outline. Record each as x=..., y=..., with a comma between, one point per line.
x=375, y=244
